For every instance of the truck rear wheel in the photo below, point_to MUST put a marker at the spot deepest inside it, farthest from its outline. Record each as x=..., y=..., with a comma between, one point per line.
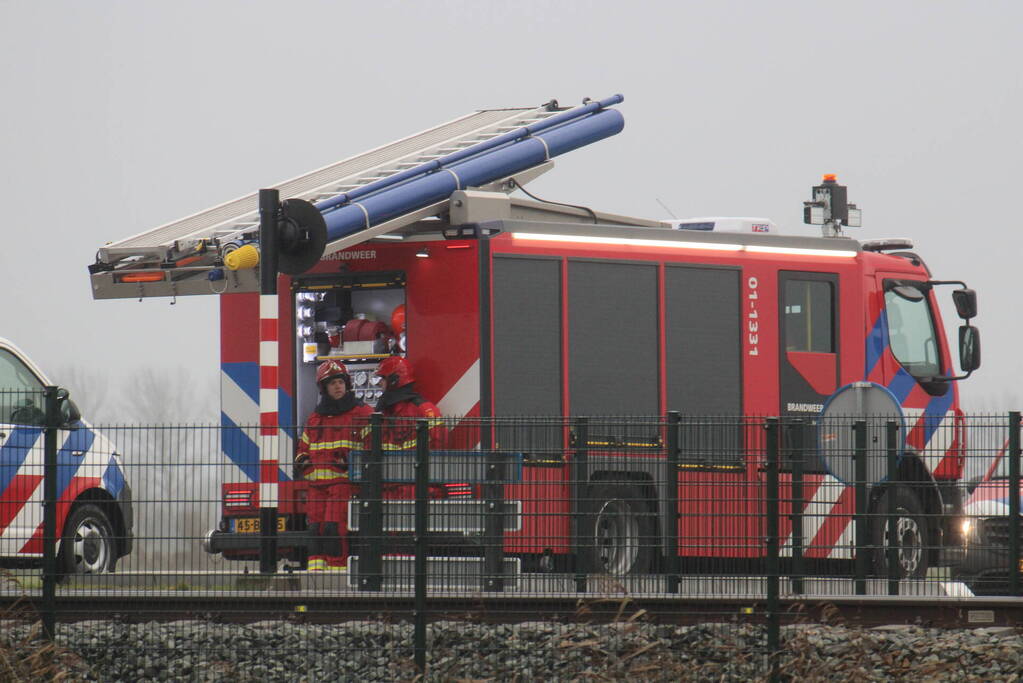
x=87, y=546
x=910, y=535
x=617, y=531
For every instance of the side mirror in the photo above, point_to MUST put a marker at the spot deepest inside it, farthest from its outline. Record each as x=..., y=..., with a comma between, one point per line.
x=966, y=304
x=969, y=346
x=69, y=413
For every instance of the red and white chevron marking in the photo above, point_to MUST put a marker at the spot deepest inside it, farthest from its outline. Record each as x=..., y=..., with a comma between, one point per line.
x=269, y=420
x=827, y=526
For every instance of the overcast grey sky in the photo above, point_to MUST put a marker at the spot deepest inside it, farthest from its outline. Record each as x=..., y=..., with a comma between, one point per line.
x=120, y=116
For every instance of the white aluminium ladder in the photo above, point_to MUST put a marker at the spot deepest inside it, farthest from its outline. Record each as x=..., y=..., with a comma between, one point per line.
x=180, y=245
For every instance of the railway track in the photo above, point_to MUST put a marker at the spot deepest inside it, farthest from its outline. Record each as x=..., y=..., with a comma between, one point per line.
x=246, y=598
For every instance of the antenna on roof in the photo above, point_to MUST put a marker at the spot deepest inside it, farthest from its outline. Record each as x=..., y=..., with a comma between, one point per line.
x=665, y=207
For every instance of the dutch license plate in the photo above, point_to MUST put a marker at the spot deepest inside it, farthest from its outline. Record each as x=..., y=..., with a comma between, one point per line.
x=250, y=525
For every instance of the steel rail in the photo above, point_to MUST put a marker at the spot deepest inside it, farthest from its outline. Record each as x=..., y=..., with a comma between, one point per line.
x=298, y=606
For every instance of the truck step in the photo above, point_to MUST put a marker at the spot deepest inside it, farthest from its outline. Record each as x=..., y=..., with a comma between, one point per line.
x=443, y=573
x=470, y=467
x=445, y=515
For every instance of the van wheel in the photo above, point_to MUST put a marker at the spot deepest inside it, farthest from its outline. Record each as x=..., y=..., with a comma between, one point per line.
x=617, y=531
x=910, y=535
x=87, y=546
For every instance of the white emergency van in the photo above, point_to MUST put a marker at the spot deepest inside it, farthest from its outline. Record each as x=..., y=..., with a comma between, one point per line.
x=94, y=510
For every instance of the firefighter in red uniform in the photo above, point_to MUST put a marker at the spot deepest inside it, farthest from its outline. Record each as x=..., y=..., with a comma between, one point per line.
x=334, y=428
x=401, y=405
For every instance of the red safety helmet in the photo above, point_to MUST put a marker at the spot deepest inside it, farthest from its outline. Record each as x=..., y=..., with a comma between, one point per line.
x=398, y=319
x=396, y=371
x=329, y=369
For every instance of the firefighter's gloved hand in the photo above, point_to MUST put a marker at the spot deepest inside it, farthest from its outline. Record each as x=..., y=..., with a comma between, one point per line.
x=300, y=467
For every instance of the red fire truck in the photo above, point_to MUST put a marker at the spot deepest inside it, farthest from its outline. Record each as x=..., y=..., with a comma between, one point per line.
x=516, y=307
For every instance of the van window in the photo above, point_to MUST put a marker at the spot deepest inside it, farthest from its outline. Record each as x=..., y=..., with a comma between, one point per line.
x=21, y=392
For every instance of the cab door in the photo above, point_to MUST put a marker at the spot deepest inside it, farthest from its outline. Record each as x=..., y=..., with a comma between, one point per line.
x=808, y=374
x=908, y=354
x=809, y=350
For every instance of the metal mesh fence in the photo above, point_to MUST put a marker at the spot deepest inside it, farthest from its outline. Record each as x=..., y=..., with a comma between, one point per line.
x=621, y=544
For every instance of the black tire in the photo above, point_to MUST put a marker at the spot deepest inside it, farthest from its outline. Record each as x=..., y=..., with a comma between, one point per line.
x=618, y=531
x=912, y=531
x=88, y=545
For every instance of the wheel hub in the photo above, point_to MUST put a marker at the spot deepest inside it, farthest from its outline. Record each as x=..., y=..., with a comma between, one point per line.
x=907, y=534
x=908, y=541
x=616, y=537
x=90, y=548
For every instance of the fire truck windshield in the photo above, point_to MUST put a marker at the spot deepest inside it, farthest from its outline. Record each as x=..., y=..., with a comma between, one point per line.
x=911, y=332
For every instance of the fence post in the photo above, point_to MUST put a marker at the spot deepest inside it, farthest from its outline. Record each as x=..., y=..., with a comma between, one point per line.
x=371, y=517
x=1014, y=476
x=493, y=524
x=799, y=441
x=50, y=512
x=671, y=547
x=422, y=468
x=894, y=540
x=577, y=488
x=771, y=540
x=860, y=520
x=269, y=415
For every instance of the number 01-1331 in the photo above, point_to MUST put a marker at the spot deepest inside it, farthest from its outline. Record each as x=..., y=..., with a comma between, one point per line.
x=752, y=323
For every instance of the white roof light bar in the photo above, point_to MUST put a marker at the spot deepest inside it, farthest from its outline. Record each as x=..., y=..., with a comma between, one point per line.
x=800, y=251
x=623, y=241
x=709, y=246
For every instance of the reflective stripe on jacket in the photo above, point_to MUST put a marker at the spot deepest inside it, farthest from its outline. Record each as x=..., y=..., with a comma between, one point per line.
x=327, y=440
x=400, y=434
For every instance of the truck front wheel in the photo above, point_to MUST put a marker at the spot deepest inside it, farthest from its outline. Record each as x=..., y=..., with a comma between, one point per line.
x=87, y=546
x=910, y=534
x=617, y=531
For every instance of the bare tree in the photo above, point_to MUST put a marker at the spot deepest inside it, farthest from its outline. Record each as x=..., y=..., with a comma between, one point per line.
x=145, y=396
x=161, y=396
x=173, y=461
